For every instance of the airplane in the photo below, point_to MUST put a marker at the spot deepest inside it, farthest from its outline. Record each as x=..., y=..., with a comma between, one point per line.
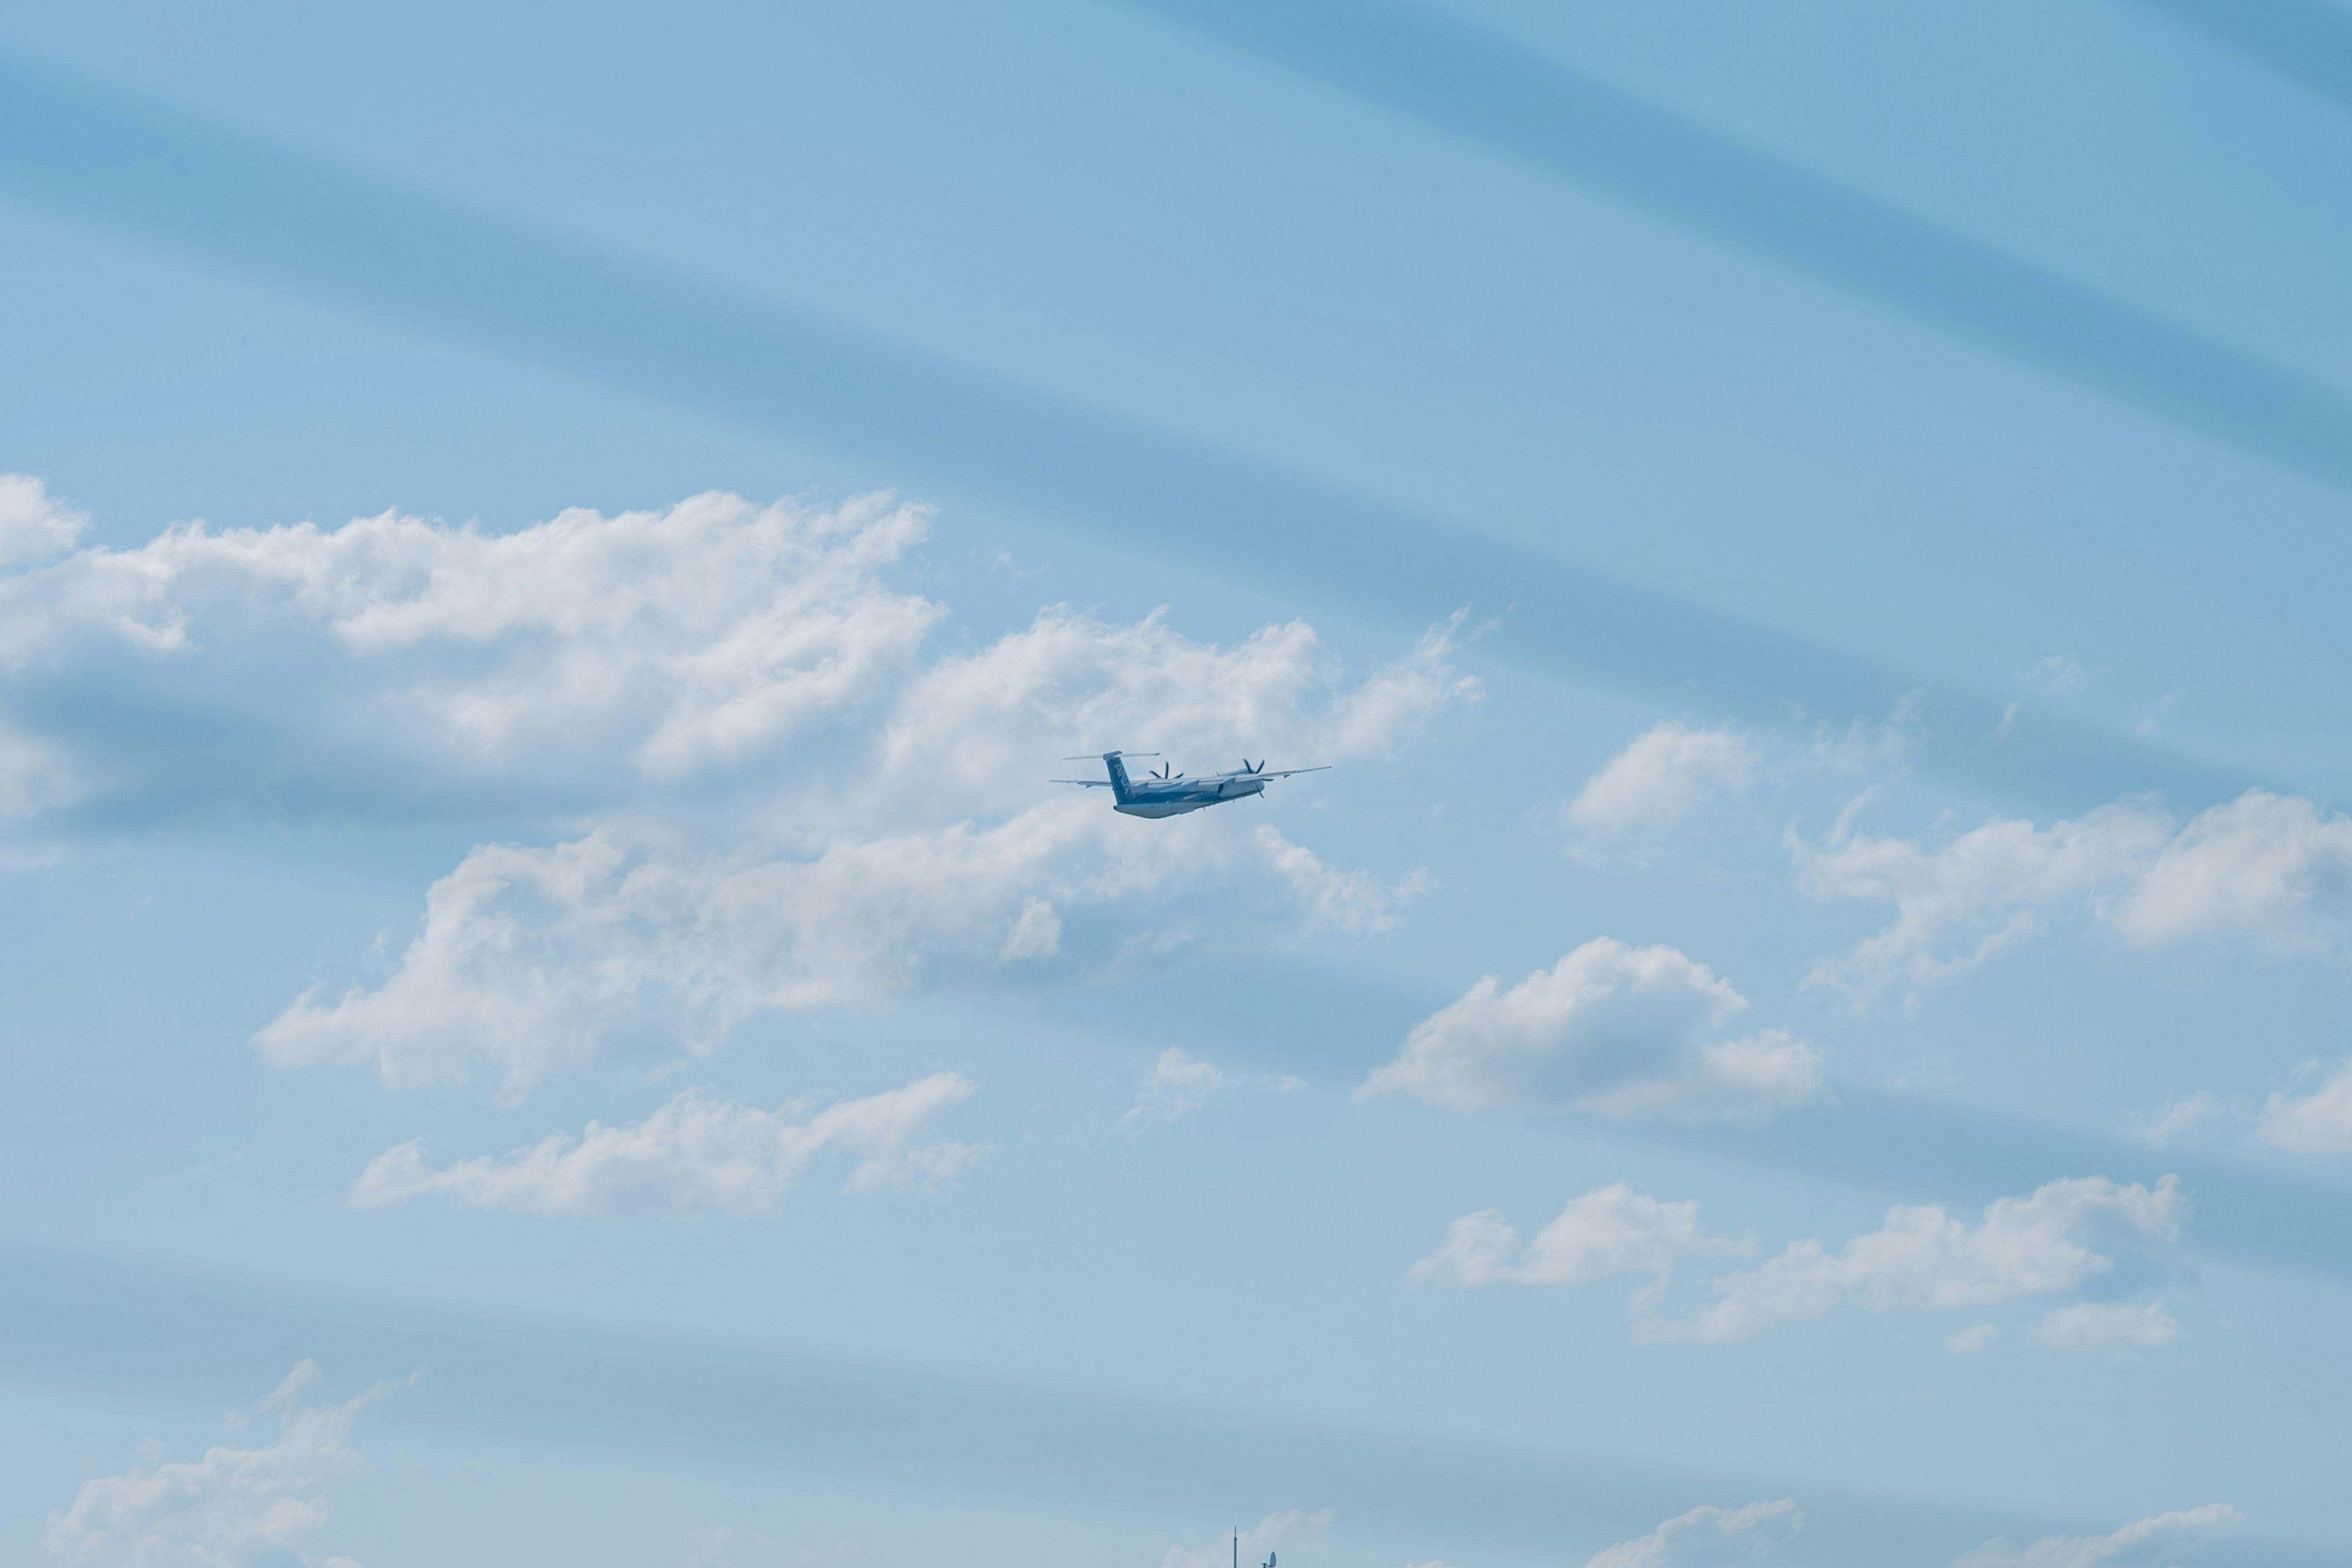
x=1166, y=794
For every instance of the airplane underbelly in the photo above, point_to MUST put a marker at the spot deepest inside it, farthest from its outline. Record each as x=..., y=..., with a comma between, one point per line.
x=1161, y=807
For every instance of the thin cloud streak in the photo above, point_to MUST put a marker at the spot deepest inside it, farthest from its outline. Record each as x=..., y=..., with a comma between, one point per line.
x=2305, y=42
x=367, y=244
x=1487, y=88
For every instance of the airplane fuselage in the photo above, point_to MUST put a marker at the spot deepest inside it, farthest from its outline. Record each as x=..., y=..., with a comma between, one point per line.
x=1147, y=797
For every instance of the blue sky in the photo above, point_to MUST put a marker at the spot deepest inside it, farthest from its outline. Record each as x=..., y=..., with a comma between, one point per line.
x=554, y=1014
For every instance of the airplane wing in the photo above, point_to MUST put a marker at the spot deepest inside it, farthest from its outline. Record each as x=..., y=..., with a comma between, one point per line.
x=1286, y=773
x=1090, y=783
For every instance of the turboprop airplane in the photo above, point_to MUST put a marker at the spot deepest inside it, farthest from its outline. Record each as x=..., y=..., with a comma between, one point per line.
x=1166, y=794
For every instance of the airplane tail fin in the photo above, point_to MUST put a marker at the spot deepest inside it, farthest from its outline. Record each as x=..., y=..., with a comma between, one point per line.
x=1122, y=791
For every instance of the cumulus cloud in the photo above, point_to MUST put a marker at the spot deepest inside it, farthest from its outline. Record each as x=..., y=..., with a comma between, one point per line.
x=2040, y=1245
x=1622, y=1031
x=1274, y=1531
x=635, y=663
x=532, y=955
x=2149, y=1544
x=693, y=1154
x=1181, y=1083
x=1357, y=902
x=1608, y=1231
x=686, y=637
x=529, y=957
x=33, y=524
x=1972, y=1340
x=1705, y=1537
x=1663, y=777
x=233, y=1507
x=2273, y=869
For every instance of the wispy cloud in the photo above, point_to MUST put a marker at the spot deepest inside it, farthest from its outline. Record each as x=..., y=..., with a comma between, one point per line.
x=2268, y=869
x=1607, y=1232
x=1358, y=903
x=2145, y=1544
x=1181, y=1083
x=2316, y=1122
x=232, y=1507
x=2097, y=1246
x=1663, y=776
x=1706, y=1537
x=693, y=1154
x=1922, y=1257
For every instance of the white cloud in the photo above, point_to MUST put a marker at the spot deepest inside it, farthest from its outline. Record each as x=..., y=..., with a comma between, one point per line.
x=1972, y=1340
x=1665, y=776
x=692, y=1153
x=1181, y=1083
x=1922, y=1258
x=2061, y=674
x=2095, y=1325
x=1958, y=904
x=2266, y=865
x=231, y=1508
x=1275, y=1529
x=2178, y=1119
x=1357, y=902
x=2315, y=1119
x=33, y=524
x=1618, y=1030
x=529, y=957
x=616, y=659
x=2272, y=869
x=36, y=774
x=2318, y=1123
x=1708, y=1536
x=2147, y=1544
x=1608, y=1231
x=687, y=637
x=1396, y=701
x=1037, y=934
x=977, y=724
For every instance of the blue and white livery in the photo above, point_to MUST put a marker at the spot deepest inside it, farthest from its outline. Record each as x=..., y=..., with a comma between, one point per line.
x=1166, y=794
